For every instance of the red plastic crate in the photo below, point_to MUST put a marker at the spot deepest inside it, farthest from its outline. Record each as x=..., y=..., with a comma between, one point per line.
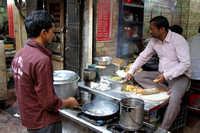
x=193, y=98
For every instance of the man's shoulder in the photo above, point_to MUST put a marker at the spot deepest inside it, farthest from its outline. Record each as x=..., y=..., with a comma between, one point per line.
x=195, y=38
x=32, y=54
x=177, y=37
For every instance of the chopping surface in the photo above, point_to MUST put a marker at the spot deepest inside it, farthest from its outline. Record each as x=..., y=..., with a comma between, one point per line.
x=161, y=96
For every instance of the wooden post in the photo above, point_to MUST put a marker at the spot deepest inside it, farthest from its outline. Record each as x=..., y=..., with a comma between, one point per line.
x=3, y=75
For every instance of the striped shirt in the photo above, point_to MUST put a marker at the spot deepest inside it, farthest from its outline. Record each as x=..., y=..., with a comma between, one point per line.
x=173, y=53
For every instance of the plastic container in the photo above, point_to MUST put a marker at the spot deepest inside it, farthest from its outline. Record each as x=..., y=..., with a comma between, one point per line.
x=155, y=121
x=180, y=120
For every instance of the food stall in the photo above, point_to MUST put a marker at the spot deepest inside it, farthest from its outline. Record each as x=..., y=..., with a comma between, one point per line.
x=78, y=120
x=110, y=95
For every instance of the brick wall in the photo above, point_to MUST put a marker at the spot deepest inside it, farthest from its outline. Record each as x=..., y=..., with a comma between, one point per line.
x=110, y=48
x=193, y=18
x=185, y=16
x=189, y=12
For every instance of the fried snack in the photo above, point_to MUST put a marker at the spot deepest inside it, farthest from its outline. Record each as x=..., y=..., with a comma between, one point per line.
x=155, y=81
x=117, y=61
x=148, y=91
x=128, y=67
x=128, y=88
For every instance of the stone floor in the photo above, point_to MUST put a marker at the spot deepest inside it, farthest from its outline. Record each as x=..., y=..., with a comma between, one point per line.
x=11, y=123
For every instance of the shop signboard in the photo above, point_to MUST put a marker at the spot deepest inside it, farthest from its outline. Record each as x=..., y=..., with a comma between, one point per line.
x=10, y=19
x=105, y=20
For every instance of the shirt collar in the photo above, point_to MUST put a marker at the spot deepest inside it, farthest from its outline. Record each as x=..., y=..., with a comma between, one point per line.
x=169, y=36
x=39, y=46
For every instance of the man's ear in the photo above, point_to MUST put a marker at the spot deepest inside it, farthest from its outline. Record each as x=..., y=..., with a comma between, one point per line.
x=43, y=32
x=162, y=29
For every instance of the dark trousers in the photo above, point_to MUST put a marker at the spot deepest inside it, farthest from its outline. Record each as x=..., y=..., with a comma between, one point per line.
x=177, y=86
x=52, y=128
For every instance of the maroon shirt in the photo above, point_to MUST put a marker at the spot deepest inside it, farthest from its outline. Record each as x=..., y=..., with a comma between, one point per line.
x=33, y=74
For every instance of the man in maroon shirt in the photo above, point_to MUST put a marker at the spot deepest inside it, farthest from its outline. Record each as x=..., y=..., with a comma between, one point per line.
x=33, y=73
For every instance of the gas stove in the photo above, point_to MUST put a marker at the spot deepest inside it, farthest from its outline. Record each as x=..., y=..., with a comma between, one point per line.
x=114, y=126
x=146, y=128
x=98, y=122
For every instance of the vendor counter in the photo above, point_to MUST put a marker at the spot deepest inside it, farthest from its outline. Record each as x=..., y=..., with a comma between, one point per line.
x=116, y=95
x=73, y=123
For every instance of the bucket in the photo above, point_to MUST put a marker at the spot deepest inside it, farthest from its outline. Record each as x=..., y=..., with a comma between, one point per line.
x=131, y=114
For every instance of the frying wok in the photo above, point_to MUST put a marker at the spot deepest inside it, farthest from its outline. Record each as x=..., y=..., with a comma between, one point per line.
x=100, y=109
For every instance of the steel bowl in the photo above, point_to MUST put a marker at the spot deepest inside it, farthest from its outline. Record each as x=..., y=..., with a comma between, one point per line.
x=104, y=60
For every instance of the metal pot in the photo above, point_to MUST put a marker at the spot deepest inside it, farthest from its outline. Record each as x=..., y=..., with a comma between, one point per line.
x=131, y=113
x=89, y=75
x=104, y=60
x=100, y=109
x=65, y=83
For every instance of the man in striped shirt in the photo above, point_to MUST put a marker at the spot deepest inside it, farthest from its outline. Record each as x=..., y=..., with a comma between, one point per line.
x=174, y=66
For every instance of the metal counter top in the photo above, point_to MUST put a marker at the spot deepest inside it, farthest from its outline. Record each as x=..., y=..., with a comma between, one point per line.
x=72, y=115
x=116, y=94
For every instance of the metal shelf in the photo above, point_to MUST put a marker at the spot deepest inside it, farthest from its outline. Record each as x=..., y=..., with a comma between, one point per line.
x=193, y=109
x=135, y=10
x=132, y=22
x=132, y=5
x=192, y=88
x=132, y=39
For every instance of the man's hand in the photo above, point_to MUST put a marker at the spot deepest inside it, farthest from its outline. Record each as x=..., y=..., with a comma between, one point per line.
x=128, y=76
x=159, y=79
x=70, y=103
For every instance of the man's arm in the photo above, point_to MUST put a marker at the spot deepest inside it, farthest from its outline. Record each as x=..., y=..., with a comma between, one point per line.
x=144, y=56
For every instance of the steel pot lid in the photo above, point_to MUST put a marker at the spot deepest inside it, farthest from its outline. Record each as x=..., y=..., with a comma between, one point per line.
x=64, y=76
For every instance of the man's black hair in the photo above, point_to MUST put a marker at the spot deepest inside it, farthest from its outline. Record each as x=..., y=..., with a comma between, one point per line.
x=160, y=21
x=37, y=21
x=176, y=28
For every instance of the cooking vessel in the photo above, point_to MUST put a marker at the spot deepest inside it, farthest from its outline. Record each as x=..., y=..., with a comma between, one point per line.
x=131, y=114
x=100, y=109
x=89, y=76
x=65, y=83
x=104, y=60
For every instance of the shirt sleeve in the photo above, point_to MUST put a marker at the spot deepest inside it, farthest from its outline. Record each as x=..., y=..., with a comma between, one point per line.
x=44, y=86
x=143, y=57
x=183, y=55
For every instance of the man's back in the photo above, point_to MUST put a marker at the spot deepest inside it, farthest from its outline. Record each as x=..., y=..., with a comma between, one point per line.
x=33, y=79
x=195, y=56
